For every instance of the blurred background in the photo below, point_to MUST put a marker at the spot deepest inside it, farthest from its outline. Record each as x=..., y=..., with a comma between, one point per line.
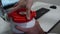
x=55, y=28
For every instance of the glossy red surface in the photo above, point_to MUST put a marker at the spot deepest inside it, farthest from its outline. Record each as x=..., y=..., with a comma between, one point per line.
x=18, y=18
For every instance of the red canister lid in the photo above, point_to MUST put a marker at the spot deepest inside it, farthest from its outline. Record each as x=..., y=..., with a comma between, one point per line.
x=17, y=18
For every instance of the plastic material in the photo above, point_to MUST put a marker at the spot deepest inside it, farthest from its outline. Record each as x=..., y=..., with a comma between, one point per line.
x=18, y=18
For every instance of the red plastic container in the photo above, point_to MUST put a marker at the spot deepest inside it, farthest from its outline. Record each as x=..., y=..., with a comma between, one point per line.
x=17, y=18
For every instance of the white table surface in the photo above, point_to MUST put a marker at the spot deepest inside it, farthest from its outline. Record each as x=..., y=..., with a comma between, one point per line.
x=4, y=26
x=48, y=20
